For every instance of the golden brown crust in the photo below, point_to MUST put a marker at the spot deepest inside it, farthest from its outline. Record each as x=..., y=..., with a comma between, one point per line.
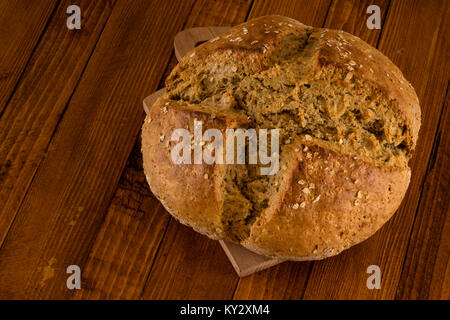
x=247, y=45
x=327, y=201
x=190, y=192
x=332, y=202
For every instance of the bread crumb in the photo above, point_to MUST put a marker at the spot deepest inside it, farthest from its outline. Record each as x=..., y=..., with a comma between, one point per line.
x=149, y=120
x=205, y=176
x=303, y=204
x=295, y=206
x=312, y=185
x=306, y=190
x=254, y=42
x=359, y=194
x=161, y=138
x=193, y=54
x=316, y=199
x=300, y=182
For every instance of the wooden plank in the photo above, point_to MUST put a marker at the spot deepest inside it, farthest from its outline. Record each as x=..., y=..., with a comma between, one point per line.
x=312, y=13
x=119, y=268
x=423, y=59
x=127, y=241
x=189, y=266
x=106, y=270
x=349, y=16
x=426, y=271
x=246, y=262
x=21, y=24
x=67, y=200
x=32, y=114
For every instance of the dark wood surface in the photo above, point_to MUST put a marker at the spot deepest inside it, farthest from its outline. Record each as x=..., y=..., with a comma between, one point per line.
x=72, y=189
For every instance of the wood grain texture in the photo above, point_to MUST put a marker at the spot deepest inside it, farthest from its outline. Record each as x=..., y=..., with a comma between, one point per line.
x=32, y=114
x=344, y=276
x=105, y=260
x=284, y=281
x=351, y=16
x=312, y=13
x=21, y=24
x=77, y=179
x=426, y=270
x=190, y=266
x=127, y=241
x=84, y=203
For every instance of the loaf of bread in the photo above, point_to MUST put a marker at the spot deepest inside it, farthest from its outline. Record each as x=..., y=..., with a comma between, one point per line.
x=348, y=123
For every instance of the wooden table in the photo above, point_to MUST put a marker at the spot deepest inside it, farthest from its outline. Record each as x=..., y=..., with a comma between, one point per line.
x=72, y=189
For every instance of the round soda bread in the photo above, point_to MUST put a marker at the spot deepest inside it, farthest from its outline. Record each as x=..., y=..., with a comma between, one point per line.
x=348, y=124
